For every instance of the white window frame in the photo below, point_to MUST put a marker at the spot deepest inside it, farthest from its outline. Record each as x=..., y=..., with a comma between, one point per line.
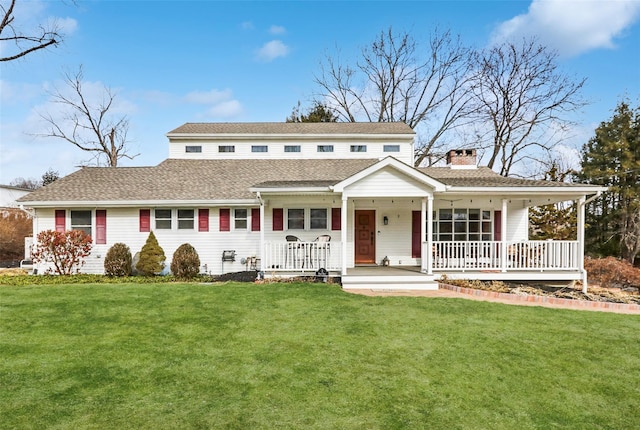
x=87, y=228
x=460, y=224
x=182, y=219
x=241, y=219
x=163, y=219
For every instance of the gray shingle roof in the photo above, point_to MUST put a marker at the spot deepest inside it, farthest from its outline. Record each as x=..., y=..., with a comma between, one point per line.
x=197, y=180
x=294, y=128
x=483, y=177
x=176, y=179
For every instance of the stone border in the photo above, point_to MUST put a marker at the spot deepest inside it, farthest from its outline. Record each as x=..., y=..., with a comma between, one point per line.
x=569, y=303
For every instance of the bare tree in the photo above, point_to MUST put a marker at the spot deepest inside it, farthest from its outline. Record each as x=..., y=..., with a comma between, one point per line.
x=522, y=97
x=92, y=128
x=22, y=44
x=396, y=80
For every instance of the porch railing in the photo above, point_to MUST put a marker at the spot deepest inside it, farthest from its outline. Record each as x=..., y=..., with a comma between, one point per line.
x=520, y=255
x=302, y=256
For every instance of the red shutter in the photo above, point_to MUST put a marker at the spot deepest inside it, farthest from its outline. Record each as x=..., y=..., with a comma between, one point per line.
x=255, y=219
x=497, y=225
x=203, y=219
x=101, y=226
x=145, y=220
x=278, y=219
x=416, y=226
x=336, y=219
x=225, y=219
x=60, y=220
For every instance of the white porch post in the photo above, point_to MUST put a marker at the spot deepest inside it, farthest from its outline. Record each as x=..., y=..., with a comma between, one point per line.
x=429, y=251
x=503, y=239
x=343, y=233
x=262, y=244
x=581, y=216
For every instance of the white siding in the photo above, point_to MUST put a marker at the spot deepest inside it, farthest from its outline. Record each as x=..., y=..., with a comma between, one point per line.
x=517, y=223
x=308, y=149
x=387, y=182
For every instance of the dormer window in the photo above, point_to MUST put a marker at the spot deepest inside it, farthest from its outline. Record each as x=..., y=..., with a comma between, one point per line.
x=325, y=148
x=193, y=148
x=358, y=148
x=292, y=148
x=259, y=148
x=226, y=148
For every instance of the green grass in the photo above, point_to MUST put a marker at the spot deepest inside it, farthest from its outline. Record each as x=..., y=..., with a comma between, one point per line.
x=292, y=356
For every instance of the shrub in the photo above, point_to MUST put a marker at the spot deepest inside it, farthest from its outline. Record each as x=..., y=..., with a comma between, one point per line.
x=66, y=250
x=117, y=262
x=185, y=263
x=152, y=257
x=612, y=272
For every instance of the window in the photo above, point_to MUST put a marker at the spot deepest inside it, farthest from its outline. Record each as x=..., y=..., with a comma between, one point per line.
x=185, y=219
x=259, y=148
x=240, y=219
x=226, y=148
x=292, y=148
x=391, y=148
x=358, y=148
x=318, y=219
x=325, y=148
x=81, y=220
x=295, y=219
x=193, y=148
x=163, y=219
x=462, y=224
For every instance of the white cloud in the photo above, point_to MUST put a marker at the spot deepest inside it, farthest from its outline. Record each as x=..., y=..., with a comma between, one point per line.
x=208, y=97
x=12, y=93
x=272, y=50
x=226, y=109
x=277, y=29
x=246, y=25
x=572, y=27
x=221, y=103
x=65, y=26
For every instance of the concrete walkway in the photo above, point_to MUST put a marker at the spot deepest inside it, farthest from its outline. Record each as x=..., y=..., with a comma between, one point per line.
x=450, y=291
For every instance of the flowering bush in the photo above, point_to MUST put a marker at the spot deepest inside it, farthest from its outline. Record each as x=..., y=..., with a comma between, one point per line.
x=66, y=250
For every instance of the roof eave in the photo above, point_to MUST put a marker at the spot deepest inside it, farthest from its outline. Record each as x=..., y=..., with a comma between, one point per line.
x=520, y=190
x=139, y=203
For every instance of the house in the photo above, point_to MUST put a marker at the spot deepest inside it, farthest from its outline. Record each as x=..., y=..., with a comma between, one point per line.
x=9, y=194
x=294, y=198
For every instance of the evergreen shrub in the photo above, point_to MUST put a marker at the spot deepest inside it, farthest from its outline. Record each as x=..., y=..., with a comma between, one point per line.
x=152, y=257
x=185, y=263
x=117, y=262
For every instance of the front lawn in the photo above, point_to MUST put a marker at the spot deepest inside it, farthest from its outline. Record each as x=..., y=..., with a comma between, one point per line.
x=292, y=356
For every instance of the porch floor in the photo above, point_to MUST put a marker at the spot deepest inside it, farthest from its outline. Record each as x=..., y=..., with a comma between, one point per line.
x=410, y=277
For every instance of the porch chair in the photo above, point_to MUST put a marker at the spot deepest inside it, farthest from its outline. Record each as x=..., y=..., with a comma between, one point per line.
x=293, y=250
x=322, y=250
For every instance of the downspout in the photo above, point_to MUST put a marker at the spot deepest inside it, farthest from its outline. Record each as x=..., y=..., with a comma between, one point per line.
x=581, y=221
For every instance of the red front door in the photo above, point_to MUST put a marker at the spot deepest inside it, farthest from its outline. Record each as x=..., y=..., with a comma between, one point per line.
x=365, y=237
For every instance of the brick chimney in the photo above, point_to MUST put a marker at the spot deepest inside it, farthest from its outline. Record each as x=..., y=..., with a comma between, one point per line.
x=461, y=159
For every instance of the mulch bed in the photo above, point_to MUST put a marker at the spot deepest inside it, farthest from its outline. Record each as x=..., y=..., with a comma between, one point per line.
x=563, y=291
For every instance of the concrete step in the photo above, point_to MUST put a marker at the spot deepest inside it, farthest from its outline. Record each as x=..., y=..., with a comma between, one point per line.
x=410, y=282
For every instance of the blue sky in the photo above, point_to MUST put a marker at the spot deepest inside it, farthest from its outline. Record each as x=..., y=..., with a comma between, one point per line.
x=196, y=61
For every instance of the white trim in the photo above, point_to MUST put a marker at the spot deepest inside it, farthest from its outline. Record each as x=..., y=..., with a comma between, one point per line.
x=565, y=190
x=143, y=203
x=290, y=136
x=398, y=165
